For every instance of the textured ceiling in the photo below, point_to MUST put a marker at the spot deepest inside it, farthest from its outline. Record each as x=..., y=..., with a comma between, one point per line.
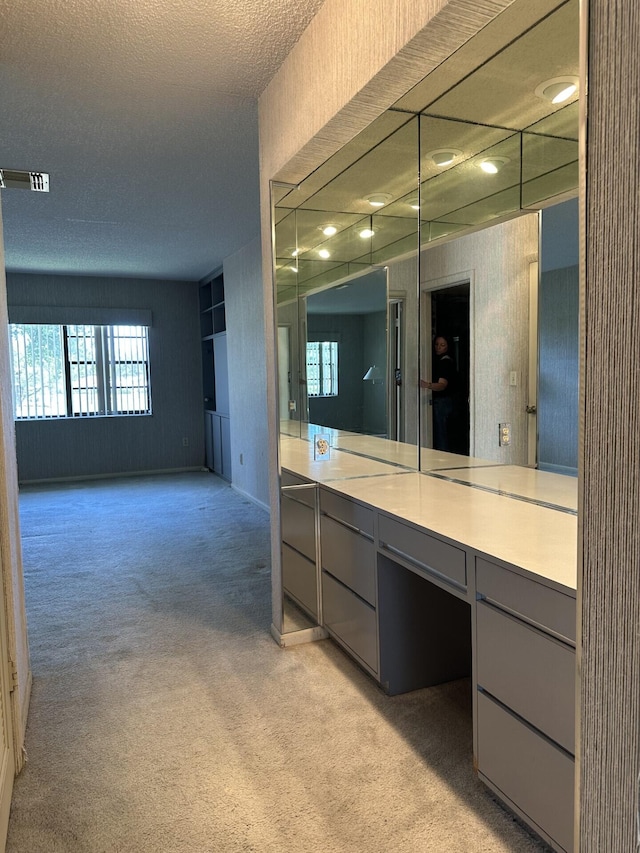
x=145, y=115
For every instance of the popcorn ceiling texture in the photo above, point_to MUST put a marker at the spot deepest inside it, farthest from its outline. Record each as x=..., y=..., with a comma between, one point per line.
x=145, y=115
x=232, y=48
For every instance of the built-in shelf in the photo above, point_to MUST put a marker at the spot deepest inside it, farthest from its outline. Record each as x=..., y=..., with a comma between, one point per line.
x=213, y=328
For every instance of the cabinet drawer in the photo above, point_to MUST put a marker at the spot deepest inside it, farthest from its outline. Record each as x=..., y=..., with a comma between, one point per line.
x=349, y=557
x=425, y=550
x=306, y=494
x=528, y=770
x=540, y=604
x=289, y=479
x=299, y=579
x=348, y=511
x=350, y=620
x=298, y=526
x=528, y=671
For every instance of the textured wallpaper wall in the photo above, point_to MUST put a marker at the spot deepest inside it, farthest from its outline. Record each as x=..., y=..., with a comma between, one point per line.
x=14, y=642
x=609, y=664
x=247, y=371
x=497, y=262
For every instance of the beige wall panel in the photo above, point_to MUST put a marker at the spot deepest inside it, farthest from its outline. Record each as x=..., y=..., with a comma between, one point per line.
x=403, y=281
x=610, y=652
x=247, y=372
x=10, y=545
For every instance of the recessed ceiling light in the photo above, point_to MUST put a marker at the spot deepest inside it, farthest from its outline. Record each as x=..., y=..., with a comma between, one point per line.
x=558, y=89
x=324, y=253
x=366, y=232
x=295, y=253
x=293, y=268
x=414, y=202
x=444, y=156
x=329, y=230
x=492, y=165
x=378, y=199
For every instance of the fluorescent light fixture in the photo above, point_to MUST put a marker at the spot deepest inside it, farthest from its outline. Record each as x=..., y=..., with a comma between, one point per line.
x=329, y=230
x=492, y=165
x=378, y=199
x=367, y=232
x=557, y=90
x=324, y=253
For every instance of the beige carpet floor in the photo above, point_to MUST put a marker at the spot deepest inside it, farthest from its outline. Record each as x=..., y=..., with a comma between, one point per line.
x=165, y=718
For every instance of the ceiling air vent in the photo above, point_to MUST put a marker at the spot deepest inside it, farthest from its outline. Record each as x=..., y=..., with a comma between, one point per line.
x=15, y=180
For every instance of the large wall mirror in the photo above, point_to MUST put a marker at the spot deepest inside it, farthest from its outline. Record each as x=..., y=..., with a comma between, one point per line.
x=461, y=199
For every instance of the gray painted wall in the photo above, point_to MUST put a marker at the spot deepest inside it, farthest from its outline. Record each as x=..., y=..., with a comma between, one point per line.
x=346, y=411
x=558, y=370
x=247, y=372
x=102, y=446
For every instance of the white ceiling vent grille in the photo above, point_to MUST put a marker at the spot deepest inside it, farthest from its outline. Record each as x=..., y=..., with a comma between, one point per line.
x=13, y=179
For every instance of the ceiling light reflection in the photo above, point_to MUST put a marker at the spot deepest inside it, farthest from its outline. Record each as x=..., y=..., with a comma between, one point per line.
x=492, y=165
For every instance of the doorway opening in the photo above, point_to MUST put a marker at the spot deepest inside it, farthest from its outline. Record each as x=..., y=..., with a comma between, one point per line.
x=395, y=351
x=450, y=319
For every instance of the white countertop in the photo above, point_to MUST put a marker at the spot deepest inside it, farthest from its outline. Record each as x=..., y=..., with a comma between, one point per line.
x=381, y=449
x=517, y=481
x=537, y=539
x=296, y=456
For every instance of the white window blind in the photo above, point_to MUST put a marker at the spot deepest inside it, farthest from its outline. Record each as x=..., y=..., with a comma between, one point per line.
x=322, y=368
x=80, y=370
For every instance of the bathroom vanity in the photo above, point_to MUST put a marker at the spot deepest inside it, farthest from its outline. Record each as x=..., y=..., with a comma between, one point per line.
x=467, y=571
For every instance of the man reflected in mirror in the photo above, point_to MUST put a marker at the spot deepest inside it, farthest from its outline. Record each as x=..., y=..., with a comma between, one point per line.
x=443, y=387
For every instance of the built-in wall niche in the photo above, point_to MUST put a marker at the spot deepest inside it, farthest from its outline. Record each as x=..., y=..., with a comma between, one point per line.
x=215, y=383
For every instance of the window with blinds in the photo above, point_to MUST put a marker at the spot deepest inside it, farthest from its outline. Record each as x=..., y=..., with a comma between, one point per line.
x=79, y=371
x=322, y=368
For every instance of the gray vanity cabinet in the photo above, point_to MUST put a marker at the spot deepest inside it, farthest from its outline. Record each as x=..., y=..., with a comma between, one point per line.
x=525, y=673
x=387, y=596
x=349, y=577
x=297, y=511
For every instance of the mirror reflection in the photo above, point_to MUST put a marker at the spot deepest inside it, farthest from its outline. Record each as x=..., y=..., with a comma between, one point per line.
x=345, y=364
x=465, y=191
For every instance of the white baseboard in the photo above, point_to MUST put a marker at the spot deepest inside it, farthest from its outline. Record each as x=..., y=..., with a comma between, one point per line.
x=111, y=476
x=251, y=498
x=297, y=638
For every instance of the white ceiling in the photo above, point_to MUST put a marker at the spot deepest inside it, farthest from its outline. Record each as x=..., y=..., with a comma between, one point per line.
x=145, y=116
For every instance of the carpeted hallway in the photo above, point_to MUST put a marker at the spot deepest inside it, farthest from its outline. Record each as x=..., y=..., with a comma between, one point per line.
x=165, y=718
